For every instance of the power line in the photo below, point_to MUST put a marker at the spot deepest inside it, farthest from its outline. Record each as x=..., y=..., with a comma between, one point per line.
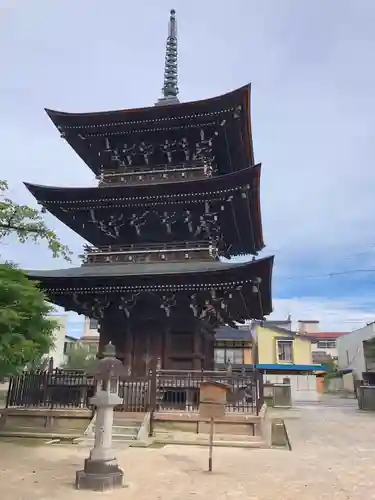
x=329, y=275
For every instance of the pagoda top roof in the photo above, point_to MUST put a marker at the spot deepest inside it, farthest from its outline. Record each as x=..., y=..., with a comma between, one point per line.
x=216, y=129
x=101, y=120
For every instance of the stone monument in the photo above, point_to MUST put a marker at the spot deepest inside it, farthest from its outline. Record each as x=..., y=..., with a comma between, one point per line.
x=101, y=470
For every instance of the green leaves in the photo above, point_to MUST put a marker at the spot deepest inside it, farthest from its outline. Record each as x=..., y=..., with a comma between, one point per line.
x=26, y=332
x=79, y=358
x=27, y=224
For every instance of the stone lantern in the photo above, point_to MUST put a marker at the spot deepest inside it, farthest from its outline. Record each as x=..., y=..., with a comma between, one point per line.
x=101, y=470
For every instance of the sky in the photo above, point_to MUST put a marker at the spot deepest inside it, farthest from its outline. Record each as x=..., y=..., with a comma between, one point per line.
x=313, y=112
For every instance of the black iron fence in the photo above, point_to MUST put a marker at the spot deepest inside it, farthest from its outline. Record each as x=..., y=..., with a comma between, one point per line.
x=135, y=394
x=161, y=390
x=50, y=389
x=180, y=390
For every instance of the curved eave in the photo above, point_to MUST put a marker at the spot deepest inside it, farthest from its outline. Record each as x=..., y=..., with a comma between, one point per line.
x=82, y=195
x=245, y=236
x=176, y=111
x=172, y=277
x=74, y=127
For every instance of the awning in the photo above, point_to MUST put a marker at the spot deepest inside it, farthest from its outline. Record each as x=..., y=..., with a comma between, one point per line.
x=292, y=368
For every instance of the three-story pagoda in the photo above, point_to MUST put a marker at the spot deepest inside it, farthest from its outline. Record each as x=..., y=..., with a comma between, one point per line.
x=178, y=189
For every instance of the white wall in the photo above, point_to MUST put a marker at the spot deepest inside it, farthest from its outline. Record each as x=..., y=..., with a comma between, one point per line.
x=350, y=349
x=332, y=351
x=308, y=327
x=303, y=387
x=57, y=352
x=87, y=331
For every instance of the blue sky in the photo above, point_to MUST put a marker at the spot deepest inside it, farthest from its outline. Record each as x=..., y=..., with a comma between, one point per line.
x=313, y=113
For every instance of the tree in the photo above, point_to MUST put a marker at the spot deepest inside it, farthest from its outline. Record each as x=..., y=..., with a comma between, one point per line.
x=27, y=224
x=26, y=331
x=78, y=358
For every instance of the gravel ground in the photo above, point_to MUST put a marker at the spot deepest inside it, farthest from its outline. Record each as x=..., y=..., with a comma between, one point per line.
x=333, y=457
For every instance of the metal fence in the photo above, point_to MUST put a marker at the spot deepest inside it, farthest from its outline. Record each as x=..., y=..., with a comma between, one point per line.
x=180, y=390
x=161, y=390
x=50, y=389
x=366, y=397
x=135, y=394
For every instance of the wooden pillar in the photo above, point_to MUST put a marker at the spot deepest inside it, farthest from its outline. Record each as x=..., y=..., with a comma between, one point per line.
x=167, y=347
x=197, y=347
x=104, y=334
x=128, y=349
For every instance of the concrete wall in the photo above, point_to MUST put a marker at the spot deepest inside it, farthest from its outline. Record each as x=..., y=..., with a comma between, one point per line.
x=267, y=347
x=303, y=387
x=348, y=382
x=308, y=326
x=350, y=349
x=335, y=384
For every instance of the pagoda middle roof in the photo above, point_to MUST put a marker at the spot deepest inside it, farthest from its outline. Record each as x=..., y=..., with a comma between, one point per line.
x=225, y=184
x=96, y=135
x=233, y=197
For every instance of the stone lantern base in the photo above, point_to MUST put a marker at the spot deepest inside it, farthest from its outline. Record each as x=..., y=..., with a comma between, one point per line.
x=99, y=475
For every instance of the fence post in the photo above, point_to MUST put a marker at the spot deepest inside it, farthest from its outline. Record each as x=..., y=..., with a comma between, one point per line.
x=10, y=390
x=152, y=398
x=260, y=391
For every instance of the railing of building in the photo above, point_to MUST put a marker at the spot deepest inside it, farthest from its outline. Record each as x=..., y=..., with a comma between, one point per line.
x=161, y=390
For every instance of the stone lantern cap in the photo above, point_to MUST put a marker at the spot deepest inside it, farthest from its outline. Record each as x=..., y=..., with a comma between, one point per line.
x=109, y=367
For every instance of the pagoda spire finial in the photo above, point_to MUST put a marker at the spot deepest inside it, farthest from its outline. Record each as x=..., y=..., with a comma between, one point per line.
x=170, y=87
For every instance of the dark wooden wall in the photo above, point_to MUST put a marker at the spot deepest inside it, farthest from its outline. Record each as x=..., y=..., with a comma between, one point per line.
x=150, y=339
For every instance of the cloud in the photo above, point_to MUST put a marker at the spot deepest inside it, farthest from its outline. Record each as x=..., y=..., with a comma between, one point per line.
x=333, y=315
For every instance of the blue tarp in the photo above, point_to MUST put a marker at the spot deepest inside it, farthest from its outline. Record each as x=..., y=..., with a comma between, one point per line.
x=293, y=368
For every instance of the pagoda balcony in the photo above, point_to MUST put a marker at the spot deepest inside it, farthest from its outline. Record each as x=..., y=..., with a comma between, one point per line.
x=137, y=254
x=187, y=171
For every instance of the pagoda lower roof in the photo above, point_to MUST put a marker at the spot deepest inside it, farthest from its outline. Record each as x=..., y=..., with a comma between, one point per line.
x=240, y=222
x=193, y=276
x=97, y=137
x=148, y=269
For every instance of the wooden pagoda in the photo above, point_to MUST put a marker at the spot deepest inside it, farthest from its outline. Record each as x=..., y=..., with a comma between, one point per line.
x=178, y=189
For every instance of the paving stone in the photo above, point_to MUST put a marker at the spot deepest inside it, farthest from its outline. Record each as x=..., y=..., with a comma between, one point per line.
x=333, y=457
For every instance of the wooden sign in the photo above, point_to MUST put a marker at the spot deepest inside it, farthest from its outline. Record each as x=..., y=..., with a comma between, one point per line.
x=213, y=398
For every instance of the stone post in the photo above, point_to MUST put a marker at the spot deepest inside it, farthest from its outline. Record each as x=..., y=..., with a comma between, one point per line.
x=101, y=470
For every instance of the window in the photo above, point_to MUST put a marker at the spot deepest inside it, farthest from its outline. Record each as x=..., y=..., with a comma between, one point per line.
x=285, y=351
x=93, y=325
x=68, y=346
x=326, y=344
x=233, y=355
x=220, y=356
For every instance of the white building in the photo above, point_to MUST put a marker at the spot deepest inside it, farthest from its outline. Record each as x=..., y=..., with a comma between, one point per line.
x=61, y=339
x=90, y=337
x=90, y=328
x=350, y=348
x=323, y=344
